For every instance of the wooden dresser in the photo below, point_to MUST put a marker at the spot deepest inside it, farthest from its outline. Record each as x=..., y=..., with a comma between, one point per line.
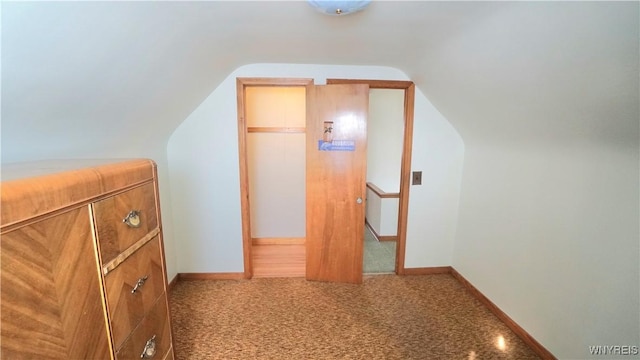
x=83, y=273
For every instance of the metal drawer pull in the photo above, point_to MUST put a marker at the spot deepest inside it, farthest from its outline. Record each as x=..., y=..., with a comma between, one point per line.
x=149, y=348
x=133, y=219
x=139, y=283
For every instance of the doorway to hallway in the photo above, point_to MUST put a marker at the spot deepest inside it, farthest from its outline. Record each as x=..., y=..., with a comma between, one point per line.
x=387, y=207
x=385, y=133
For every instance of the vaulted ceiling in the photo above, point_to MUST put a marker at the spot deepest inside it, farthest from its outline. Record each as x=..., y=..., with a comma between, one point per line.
x=92, y=75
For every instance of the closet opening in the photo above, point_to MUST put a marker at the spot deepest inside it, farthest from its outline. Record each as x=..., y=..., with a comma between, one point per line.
x=271, y=114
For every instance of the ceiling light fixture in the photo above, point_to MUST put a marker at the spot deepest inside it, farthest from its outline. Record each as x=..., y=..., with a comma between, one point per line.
x=337, y=7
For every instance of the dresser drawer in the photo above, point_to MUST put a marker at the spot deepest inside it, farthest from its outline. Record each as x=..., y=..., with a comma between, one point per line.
x=154, y=329
x=143, y=271
x=114, y=234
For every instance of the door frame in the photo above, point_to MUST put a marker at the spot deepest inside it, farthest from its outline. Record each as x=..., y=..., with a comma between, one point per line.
x=245, y=202
x=405, y=167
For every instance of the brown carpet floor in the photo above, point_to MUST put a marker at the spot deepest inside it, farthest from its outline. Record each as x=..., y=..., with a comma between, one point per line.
x=387, y=317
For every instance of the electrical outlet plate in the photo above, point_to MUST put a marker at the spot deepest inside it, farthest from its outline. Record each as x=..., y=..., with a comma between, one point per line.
x=416, y=179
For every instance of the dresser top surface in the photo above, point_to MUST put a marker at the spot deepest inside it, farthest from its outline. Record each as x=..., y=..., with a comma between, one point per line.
x=25, y=170
x=33, y=189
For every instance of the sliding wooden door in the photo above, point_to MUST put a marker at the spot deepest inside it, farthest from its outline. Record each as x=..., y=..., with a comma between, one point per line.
x=336, y=175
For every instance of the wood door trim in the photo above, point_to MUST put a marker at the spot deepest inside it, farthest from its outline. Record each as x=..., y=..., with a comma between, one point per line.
x=274, y=81
x=405, y=178
x=241, y=85
x=264, y=129
x=405, y=168
x=374, y=84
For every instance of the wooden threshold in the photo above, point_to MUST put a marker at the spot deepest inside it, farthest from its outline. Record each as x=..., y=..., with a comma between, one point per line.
x=279, y=260
x=278, y=241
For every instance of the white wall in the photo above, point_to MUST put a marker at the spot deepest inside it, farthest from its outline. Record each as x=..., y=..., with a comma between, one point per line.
x=550, y=235
x=389, y=217
x=438, y=151
x=203, y=159
x=385, y=135
x=277, y=184
x=548, y=226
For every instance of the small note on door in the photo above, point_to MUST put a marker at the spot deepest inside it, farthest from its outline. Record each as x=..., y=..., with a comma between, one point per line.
x=337, y=145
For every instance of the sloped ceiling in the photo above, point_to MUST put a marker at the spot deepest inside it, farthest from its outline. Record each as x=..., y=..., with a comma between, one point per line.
x=100, y=77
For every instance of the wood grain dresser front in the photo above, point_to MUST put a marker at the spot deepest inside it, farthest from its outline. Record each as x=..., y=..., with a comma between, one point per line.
x=83, y=272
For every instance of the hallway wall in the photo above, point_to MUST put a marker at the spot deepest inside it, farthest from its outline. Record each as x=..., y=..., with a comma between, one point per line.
x=385, y=140
x=385, y=135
